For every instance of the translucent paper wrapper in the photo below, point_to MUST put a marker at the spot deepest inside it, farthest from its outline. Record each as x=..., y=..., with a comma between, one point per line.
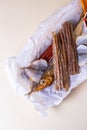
x=36, y=45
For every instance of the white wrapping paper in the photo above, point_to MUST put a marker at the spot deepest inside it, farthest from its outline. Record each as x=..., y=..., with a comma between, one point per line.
x=39, y=42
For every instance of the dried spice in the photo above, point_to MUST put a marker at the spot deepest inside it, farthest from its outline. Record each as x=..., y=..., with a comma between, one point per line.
x=62, y=60
x=73, y=67
x=78, y=29
x=85, y=19
x=56, y=61
x=47, y=54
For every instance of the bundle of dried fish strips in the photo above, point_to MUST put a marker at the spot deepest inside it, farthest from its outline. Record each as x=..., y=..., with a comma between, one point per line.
x=33, y=72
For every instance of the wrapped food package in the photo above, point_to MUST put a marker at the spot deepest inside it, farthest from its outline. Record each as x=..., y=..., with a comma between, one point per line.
x=21, y=76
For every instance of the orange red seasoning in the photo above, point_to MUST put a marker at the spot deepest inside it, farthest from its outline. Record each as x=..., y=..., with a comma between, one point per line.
x=84, y=5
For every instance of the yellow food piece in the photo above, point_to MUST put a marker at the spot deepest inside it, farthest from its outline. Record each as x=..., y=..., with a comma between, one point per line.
x=47, y=81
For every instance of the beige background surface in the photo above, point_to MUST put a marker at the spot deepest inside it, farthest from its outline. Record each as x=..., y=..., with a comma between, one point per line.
x=18, y=21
